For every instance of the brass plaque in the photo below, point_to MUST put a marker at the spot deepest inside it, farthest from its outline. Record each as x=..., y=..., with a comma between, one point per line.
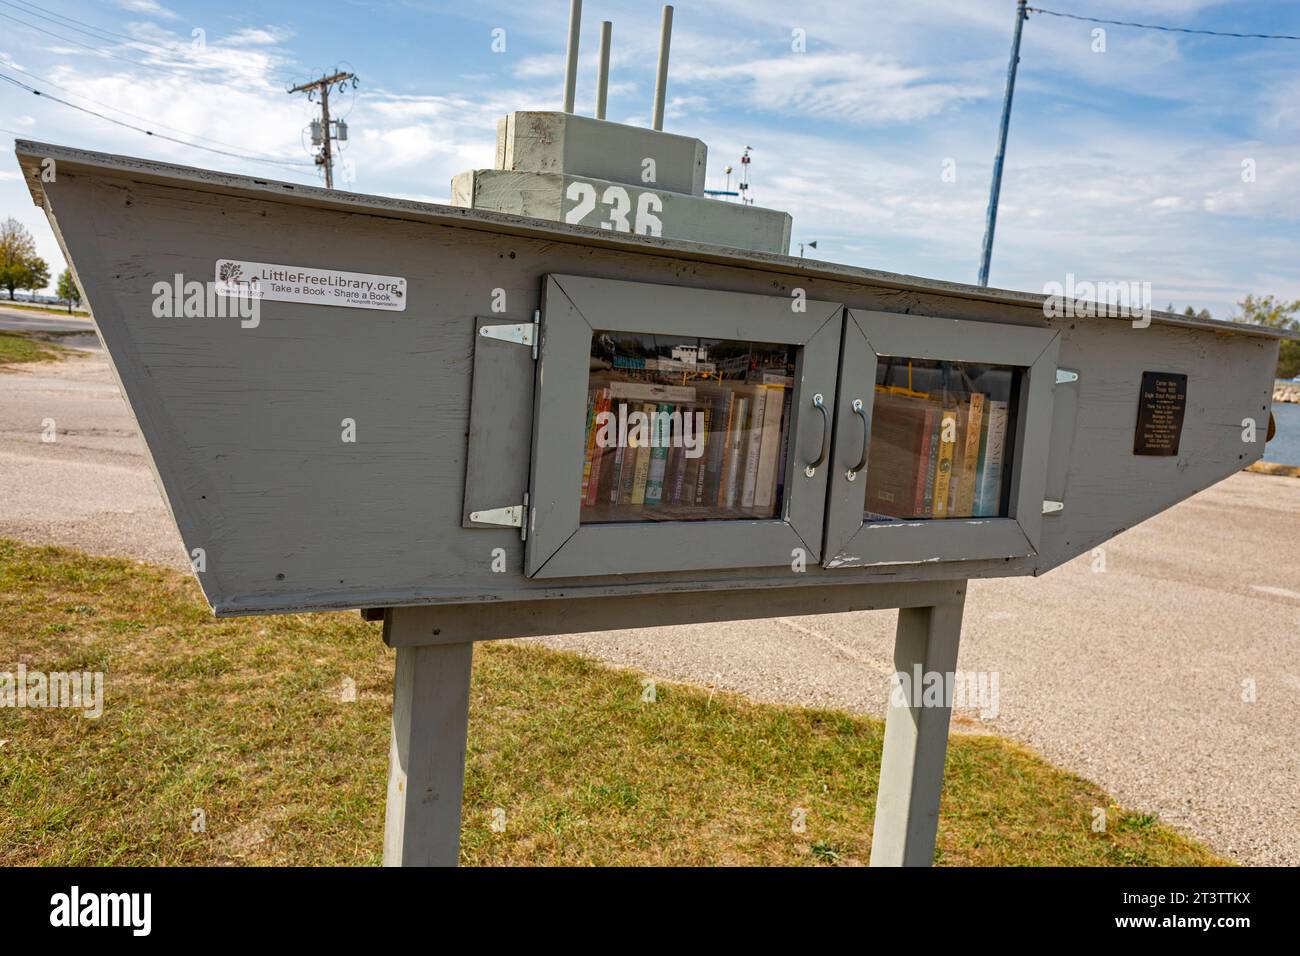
x=1161, y=406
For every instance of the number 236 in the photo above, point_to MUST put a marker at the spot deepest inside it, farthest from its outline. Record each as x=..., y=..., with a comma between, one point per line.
x=618, y=206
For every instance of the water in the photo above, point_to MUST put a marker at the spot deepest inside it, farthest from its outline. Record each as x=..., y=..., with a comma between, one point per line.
x=1285, y=446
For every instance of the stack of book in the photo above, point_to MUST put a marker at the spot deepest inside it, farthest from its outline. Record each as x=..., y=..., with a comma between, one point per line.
x=682, y=452
x=931, y=459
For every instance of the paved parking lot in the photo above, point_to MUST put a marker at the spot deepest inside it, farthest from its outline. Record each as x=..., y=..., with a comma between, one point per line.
x=1136, y=676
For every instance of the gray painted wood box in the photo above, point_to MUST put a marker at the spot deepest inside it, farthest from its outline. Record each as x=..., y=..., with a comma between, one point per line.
x=246, y=425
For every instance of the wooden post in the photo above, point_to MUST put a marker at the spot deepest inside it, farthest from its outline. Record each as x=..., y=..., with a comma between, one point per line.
x=916, y=737
x=426, y=757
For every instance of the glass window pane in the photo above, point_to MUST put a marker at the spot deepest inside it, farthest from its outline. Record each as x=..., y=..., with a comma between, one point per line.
x=941, y=440
x=682, y=428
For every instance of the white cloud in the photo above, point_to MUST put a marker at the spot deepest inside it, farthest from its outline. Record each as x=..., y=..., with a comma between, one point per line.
x=1121, y=165
x=149, y=8
x=846, y=86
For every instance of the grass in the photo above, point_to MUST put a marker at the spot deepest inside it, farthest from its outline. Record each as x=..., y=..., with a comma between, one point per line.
x=77, y=313
x=246, y=721
x=19, y=347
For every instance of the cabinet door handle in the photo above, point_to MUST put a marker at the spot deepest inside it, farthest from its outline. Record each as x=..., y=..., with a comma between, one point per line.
x=866, y=440
x=819, y=403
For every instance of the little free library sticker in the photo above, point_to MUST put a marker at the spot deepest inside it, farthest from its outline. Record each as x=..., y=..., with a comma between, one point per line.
x=1161, y=407
x=354, y=290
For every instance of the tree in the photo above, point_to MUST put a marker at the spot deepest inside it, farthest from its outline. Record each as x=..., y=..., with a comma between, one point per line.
x=1191, y=312
x=67, y=289
x=17, y=249
x=35, y=275
x=1275, y=313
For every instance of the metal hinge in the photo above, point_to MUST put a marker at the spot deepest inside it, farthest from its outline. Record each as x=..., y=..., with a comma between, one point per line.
x=511, y=516
x=525, y=333
x=1052, y=507
x=1065, y=376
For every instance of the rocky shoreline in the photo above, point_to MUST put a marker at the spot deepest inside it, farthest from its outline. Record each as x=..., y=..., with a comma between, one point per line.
x=1286, y=392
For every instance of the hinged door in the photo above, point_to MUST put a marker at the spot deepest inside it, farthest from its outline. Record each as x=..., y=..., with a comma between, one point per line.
x=942, y=439
x=678, y=429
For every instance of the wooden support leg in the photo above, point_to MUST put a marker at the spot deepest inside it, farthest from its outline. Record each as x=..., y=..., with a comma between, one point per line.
x=916, y=737
x=426, y=758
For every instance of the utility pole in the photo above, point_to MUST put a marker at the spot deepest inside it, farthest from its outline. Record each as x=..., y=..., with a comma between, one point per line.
x=326, y=135
x=991, y=221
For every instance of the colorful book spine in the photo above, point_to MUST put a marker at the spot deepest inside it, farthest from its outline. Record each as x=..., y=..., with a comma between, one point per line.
x=593, y=400
x=723, y=411
x=765, y=483
x=784, y=453
x=970, y=456
x=599, y=449
x=677, y=460
x=702, y=463
x=735, y=464
x=753, y=447
x=616, y=480
x=642, y=474
x=931, y=462
x=659, y=442
x=981, y=464
x=943, y=468
x=991, y=483
x=924, y=475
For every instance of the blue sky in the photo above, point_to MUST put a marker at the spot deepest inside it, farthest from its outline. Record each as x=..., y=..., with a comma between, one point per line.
x=1125, y=164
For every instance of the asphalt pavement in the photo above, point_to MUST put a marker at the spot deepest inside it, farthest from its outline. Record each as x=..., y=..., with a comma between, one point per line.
x=1166, y=668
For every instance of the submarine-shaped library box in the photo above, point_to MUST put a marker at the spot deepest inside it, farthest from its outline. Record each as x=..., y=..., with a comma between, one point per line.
x=490, y=408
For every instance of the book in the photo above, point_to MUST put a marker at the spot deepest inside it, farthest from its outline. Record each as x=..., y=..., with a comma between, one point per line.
x=965, y=504
x=770, y=449
x=734, y=465
x=717, y=402
x=943, y=467
x=616, y=479
x=991, y=481
x=651, y=392
x=723, y=410
x=592, y=401
x=659, y=442
x=598, y=453
x=925, y=474
x=702, y=463
x=783, y=456
x=641, y=474
x=677, y=460
x=931, y=463
x=753, y=446
x=896, y=463
x=981, y=464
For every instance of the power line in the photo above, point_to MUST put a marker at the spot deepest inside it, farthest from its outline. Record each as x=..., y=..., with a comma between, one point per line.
x=1151, y=26
x=148, y=132
x=98, y=33
x=93, y=49
x=10, y=65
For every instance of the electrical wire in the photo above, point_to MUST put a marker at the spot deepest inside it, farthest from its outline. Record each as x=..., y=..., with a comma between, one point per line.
x=93, y=49
x=148, y=132
x=10, y=65
x=97, y=33
x=1150, y=26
